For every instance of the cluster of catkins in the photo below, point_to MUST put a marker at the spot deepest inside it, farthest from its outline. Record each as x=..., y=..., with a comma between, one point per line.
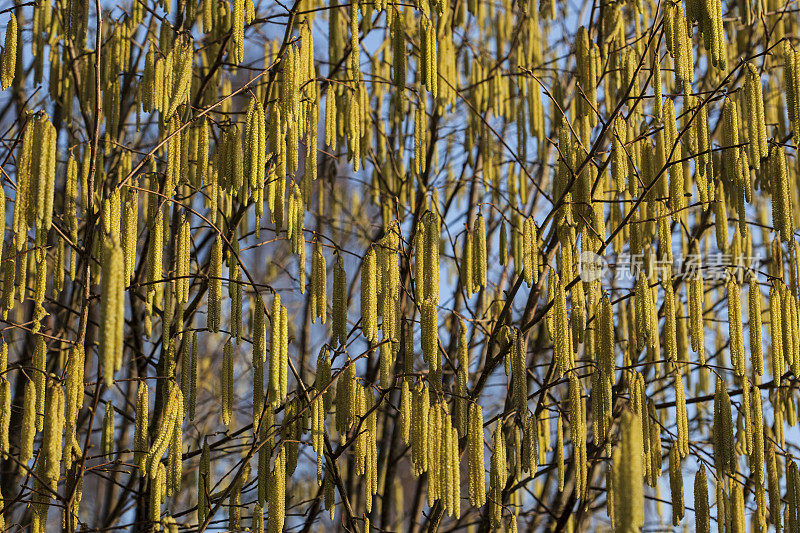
x=151, y=152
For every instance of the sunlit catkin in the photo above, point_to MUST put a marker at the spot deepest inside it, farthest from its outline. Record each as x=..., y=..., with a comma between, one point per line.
x=52, y=438
x=279, y=355
x=339, y=302
x=28, y=422
x=735, y=326
x=142, y=420
x=226, y=383
x=754, y=316
x=107, y=441
x=8, y=68
x=369, y=296
x=477, y=475
x=319, y=285
x=215, y=285
x=628, y=475
x=676, y=484
x=701, y=510
x=479, y=251
x=497, y=476
x=112, y=303
x=277, y=494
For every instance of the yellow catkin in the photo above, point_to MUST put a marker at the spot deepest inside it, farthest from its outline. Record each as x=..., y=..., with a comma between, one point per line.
x=676, y=484
x=497, y=476
x=369, y=301
x=339, y=302
x=141, y=422
x=560, y=466
x=724, y=453
x=226, y=383
x=755, y=333
x=467, y=264
x=477, y=475
x=278, y=352
x=28, y=422
x=781, y=195
x=479, y=252
x=628, y=490
x=112, y=304
x=701, y=509
x=681, y=417
x=8, y=69
x=203, y=482
x=319, y=283
x=277, y=494
x=405, y=411
x=107, y=446
x=735, y=326
x=52, y=438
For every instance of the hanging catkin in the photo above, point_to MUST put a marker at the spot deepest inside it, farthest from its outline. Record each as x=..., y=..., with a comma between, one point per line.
x=279, y=355
x=497, y=476
x=339, y=302
x=319, y=283
x=52, y=438
x=226, y=383
x=369, y=301
x=676, y=484
x=701, y=509
x=735, y=326
x=112, y=304
x=107, y=442
x=479, y=252
x=754, y=316
x=477, y=475
x=628, y=475
x=8, y=68
x=141, y=421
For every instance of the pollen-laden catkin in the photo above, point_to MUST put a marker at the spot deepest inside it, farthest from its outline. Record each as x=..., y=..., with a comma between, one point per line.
x=5, y=413
x=8, y=69
x=497, y=476
x=339, y=302
x=430, y=253
x=778, y=365
x=782, y=210
x=277, y=494
x=563, y=351
x=628, y=475
x=479, y=252
x=461, y=411
x=405, y=411
x=52, y=438
x=112, y=302
x=319, y=285
x=369, y=296
x=419, y=429
x=28, y=422
x=735, y=326
x=467, y=264
x=226, y=383
x=151, y=463
x=676, y=484
x=107, y=446
x=701, y=510
x=142, y=421
x=279, y=354
x=203, y=482
x=754, y=317
x=477, y=475
x=681, y=416
x=723, y=440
